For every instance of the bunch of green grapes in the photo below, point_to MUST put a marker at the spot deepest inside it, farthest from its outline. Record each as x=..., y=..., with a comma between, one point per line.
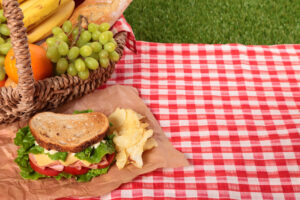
x=94, y=47
x=5, y=44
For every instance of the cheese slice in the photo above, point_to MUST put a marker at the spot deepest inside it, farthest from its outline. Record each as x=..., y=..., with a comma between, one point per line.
x=44, y=160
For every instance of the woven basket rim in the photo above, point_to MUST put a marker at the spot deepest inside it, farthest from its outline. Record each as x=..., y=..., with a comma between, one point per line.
x=19, y=102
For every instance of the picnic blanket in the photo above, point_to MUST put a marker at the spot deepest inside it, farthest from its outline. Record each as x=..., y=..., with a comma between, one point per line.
x=233, y=110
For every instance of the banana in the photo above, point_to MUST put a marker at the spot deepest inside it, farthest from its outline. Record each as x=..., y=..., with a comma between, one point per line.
x=26, y=5
x=57, y=19
x=36, y=11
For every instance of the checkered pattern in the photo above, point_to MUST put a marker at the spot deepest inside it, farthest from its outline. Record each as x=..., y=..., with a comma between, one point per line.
x=122, y=25
x=233, y=110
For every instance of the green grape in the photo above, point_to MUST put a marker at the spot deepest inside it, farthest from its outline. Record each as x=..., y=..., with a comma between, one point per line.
x=96, y=35
x=86, y=36
x=79, y=65
x=109, y=34
x=110, y=47
x=62, y=66
x=2, y=18
x=53, y=54
x=104, y=27
x=63, y=48
x=56, y=30
x=2, y=74
x=8, y=40
x=51, y=41
x=92, y=27
x=62, y=36
x=80, y=42
x=96, y=46
x=86, y=51
x=72, y=70
x=91, y=63
x=2, y=59
x=103, y=54
x=103, y=38
x=84, y=74
x=113, y=41
x=4, y=30
x=104, y=62
x=2, y=41
x=114, y=56
x=73, y=53
x=95, y=55
x=67, y=26
x=75, y=33
x=4, y=48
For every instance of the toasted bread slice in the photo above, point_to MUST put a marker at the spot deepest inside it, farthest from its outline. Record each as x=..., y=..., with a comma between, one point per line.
x=68, y=132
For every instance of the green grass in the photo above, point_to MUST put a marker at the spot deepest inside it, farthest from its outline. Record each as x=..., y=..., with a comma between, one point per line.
x=216, y=21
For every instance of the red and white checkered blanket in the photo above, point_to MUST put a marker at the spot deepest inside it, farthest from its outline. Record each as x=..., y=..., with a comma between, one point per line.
x=233, y=110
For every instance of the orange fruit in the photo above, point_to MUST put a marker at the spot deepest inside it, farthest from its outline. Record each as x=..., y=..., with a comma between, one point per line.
x=10, y=82
x=41, y=65
x=2, y=83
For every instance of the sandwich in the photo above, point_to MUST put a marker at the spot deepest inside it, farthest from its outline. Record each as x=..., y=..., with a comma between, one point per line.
x=65, y=146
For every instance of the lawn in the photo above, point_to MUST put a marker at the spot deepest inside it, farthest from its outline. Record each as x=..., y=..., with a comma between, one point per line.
x=216, y=21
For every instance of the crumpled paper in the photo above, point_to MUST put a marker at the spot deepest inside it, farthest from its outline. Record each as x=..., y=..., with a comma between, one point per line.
x=13, y=186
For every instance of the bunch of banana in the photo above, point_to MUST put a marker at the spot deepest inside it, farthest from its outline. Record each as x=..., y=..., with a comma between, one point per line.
x=40, y=16
x=44, y=22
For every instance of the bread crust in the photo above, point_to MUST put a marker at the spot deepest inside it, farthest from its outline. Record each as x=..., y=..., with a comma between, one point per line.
x=42, y=140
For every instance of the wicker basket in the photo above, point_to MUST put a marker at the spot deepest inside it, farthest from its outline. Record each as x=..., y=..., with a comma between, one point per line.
x=30, y=96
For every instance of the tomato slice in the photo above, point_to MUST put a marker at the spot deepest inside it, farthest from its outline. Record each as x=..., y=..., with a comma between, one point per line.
x=47, y=171
x=74, y=171
x=109, y=158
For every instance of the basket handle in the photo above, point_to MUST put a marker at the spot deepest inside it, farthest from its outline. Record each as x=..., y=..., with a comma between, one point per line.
x=19, y=42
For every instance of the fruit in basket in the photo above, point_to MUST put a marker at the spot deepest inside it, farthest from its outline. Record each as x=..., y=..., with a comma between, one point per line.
x=76, y=50
x=41, y=65
x=5, y=45
x=57, y=19
x=11, y=83
x=2, y=83
x=2, y=74
x=36, y=11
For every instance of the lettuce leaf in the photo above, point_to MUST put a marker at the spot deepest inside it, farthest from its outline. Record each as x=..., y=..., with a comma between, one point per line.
x=63, y=175
x=20, y=136
x=58, y=156
x=36, y=149
x=91, y=174
x=95, y=155
x=25, y=140
x=82, y=111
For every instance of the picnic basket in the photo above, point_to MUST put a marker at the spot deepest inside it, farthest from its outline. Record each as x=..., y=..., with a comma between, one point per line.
x=31, y=96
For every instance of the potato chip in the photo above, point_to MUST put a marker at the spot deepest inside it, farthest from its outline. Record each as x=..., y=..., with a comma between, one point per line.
x=117, y=118
x=140, y=116
x=144, y=125
x=121, y=158
x=135, y=152
x=151, y=142
x=129, y=138
x=132, y=121
x=132, y=137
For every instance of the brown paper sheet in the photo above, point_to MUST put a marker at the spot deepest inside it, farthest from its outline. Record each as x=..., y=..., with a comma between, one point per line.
x=12, y=186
